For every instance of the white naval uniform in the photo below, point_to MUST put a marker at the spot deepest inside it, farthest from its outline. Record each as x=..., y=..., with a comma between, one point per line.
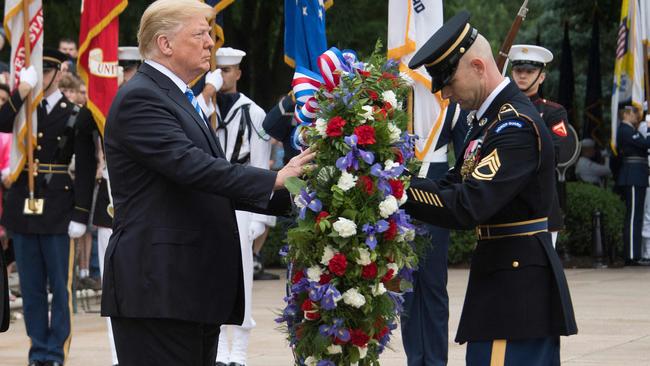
x=259, y=148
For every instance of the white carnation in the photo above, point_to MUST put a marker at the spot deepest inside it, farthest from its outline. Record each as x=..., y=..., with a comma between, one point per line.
x=367, y=113
x=344, y=227
x=334, y=349
x=390, y=97
x=364, y=257
x=394, y=267
x=389, y=164
x=347, y=181
x=321, y=127
x=353, y=298
x=388, y=206
x=363, y=351
x=314, y=273
x=403, y=199
x=328, y=253
x=395, y=132
x=311, y=361
x=378, y=289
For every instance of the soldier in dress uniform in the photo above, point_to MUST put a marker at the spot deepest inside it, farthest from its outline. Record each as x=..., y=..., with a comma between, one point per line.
x=244, y=141
x=528, y=65
x=517, y=302
x=42, y=246
x=632, y=143
x=91, y=189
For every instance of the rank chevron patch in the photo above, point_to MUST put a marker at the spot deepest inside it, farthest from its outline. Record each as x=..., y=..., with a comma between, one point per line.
x=488, y=167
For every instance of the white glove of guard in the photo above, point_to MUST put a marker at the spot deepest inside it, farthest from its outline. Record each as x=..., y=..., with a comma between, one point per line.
x=214, y=78
x=255, y=229
x=643, y=128
x=28, y=75
x=76, y=230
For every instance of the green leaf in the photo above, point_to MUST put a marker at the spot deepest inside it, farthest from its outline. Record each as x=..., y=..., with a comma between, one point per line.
x=294, y=185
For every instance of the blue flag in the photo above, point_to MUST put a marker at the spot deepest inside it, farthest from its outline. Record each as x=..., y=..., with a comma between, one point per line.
x=304, y=32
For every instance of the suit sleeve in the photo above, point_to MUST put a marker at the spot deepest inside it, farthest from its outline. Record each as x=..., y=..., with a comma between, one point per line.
x=508, y=159
x=85, y=166
x=149, y=132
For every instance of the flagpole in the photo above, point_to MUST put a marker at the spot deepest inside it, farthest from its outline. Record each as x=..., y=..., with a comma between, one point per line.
x=31, y=203
x=213, y=66
x=646, y=78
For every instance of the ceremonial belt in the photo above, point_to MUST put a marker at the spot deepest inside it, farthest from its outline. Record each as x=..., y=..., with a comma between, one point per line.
x=635, y=159
x=51, y=168
x=520, y=228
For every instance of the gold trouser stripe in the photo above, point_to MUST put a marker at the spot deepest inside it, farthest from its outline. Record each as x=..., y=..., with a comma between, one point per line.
x=66, y=344
x=498, y=352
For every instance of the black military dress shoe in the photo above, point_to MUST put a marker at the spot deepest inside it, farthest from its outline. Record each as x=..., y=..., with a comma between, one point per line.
x=220, y=364
x=235, y=364
x=53, y=363
x=35, y=363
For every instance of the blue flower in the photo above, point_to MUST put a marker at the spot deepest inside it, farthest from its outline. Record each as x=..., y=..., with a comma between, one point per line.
x=370, y=230
x=308, y=200
x=351, y=159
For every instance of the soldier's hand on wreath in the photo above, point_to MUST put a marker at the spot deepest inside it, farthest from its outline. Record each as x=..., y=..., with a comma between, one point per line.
x=76, y=230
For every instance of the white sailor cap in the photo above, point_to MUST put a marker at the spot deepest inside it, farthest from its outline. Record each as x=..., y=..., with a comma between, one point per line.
x=227, y=56
x=529, y=55
x=128, y=53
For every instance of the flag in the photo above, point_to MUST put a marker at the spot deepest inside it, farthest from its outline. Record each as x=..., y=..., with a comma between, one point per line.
x=410, y=25
x=13, y=25
x=97, y=62
x=219, y=6
x=628, y=66
x=304, y=32
x=567, y=80
x=593, y=118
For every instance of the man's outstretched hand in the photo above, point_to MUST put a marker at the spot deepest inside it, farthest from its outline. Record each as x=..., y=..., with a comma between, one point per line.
x=295, y=167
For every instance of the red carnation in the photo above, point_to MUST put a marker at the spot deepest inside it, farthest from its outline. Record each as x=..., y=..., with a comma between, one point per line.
x=339, y=341
x=358, y=337
x=364, y=73
x=321, y=215
x=373, y=94
x=399, y=158
x=338, y=264
x=311, y=313
x=382, y=333
x=392, y=230
x=335, y=126
x=388, y=106
x=325, y=278
x=388, y=276
x=365, y=182
x=369, y=272
x=388, y=75
x=380, y=113
x=397, y=187
x=365, y=134
x=297, y=277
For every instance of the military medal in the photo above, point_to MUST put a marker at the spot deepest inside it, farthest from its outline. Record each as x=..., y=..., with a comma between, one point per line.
x=470, y=159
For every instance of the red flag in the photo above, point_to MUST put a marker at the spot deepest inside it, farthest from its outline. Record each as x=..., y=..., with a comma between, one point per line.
x=97, y=62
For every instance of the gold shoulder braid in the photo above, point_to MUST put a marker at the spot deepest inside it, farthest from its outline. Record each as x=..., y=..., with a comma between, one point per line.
x=473, y=156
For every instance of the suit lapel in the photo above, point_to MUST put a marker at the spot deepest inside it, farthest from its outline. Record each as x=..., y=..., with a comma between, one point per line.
x=181, y=100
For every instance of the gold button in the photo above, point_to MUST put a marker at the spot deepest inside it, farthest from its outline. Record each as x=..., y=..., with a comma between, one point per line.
x=66, y=188
x=515, y=264
x=58, y=138
x=38, y=147
x=36, y=161
x=40, y=134
x=35, y=173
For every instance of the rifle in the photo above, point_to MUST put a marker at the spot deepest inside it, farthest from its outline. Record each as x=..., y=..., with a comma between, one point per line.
x=510, y=38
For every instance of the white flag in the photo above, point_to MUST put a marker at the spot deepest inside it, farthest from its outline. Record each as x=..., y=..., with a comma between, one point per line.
x=15, y=33
x=410, y=25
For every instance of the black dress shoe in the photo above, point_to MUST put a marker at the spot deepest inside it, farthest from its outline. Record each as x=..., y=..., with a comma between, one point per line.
x=219, y=364
x=235, y=364
x=35, y=363
x=264, y=276
x=53, y=363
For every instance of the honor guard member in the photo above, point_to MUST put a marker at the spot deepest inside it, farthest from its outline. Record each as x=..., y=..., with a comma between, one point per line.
x=528, y=65
x=425, y=320
x=240, y=132
x=517, y=302
x=632, y=143
x=42, y=245
x=93, y=203
x=279, y=124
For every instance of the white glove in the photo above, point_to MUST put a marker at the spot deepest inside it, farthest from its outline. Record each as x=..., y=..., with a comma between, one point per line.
x=76, y=230
x=255, y=229
x=214, y=78
x=28, y=75
x=643, y=128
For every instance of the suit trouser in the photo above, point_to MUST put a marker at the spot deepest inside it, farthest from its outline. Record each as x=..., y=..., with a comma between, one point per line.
x=633, y=226
x=43, y=260
x=425, y=319
x=528, y=352
x=168, y=342
x=103, y=235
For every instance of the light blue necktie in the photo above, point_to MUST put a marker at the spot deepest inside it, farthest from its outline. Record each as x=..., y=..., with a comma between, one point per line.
x=195, y=103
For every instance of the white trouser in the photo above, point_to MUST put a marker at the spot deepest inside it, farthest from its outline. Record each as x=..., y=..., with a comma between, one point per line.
x=103, y=234
x=240, y=334
x=554, y=238
x=645, y=230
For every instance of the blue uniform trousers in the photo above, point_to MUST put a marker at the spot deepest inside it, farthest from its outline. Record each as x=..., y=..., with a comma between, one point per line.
x=634, y=204
x=44, y=260
x=528, y=352
x=425, y=329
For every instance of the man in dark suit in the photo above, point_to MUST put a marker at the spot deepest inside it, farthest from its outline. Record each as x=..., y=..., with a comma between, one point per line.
x=517, y=302
x=173, y=270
